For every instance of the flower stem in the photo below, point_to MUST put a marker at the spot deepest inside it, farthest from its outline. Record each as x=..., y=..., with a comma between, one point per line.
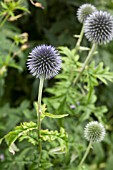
x=39, y=114
x=4, y=20
x=86, y=153
x=90, y=55
x=80, y=38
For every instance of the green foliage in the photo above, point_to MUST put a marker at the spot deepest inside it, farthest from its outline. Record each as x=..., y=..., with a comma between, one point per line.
x=9, y=7
x=11, y=52
x=22, y=130
x=64, y=92
x=46, y=114
x=55, y=135
x=26, y=131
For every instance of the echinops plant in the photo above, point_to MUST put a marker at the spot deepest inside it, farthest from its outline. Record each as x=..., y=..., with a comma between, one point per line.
x=43, y=62
x=98, y=28
x=72, y=97
x=93, y=132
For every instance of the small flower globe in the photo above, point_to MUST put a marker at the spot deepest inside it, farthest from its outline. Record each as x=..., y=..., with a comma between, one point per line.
x=84, y=11
x=94, y=131
x=98, y=27
x=44, y=61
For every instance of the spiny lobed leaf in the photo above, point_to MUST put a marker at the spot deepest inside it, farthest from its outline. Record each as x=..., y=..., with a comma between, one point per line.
x=26, y=131
x=46, y=114
x=17, y=133
x=61, y=137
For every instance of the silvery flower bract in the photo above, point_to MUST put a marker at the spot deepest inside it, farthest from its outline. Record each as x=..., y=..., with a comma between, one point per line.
x=98, y=27
x=94, y=131
x=44, y=60
x=84, y=11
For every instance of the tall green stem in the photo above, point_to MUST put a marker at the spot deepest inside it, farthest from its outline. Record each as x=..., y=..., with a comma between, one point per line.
x=90, y=55
x=39, y=112
x=86, y=153
x=80, y=38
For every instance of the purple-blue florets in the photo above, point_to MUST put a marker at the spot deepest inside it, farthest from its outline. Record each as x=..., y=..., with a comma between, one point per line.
x=44, y=61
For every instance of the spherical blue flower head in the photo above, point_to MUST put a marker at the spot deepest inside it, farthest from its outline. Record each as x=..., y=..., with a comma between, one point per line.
x=84, y=11
x=44, y=61
x=98, y=27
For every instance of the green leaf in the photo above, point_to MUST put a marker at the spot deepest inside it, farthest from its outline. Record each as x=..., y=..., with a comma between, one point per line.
x=1, y=140
x=7, y=59
x=14, y=65
x=43, y=107
x=61, y=137
x=13, y=148
x=46, y=114
x=17, y=133
x=31, y=137
x=57, y=150
x=84, y=48
x=55, y=116
x=3, y=5
x=66, y=51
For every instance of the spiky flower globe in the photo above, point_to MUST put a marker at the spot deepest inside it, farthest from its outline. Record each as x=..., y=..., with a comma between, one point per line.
x=84, y=11
x=44, y=61
x=98, y=27
x=94, y=131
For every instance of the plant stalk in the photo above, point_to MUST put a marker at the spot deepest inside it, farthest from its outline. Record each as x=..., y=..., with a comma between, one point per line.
x=39, y=113
x=4, y=20
x=80, y=38
x=86, y=153
x=90, y=55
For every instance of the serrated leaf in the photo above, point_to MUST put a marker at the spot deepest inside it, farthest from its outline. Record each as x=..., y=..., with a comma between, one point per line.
x=51, y=135
x=46, y=114
x=30, y=139
x=19, y=131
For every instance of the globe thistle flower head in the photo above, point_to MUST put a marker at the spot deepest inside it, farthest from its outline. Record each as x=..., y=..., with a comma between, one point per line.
x=94, y=131
x=84, y=11
x=44, y=61
x=98, y=27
